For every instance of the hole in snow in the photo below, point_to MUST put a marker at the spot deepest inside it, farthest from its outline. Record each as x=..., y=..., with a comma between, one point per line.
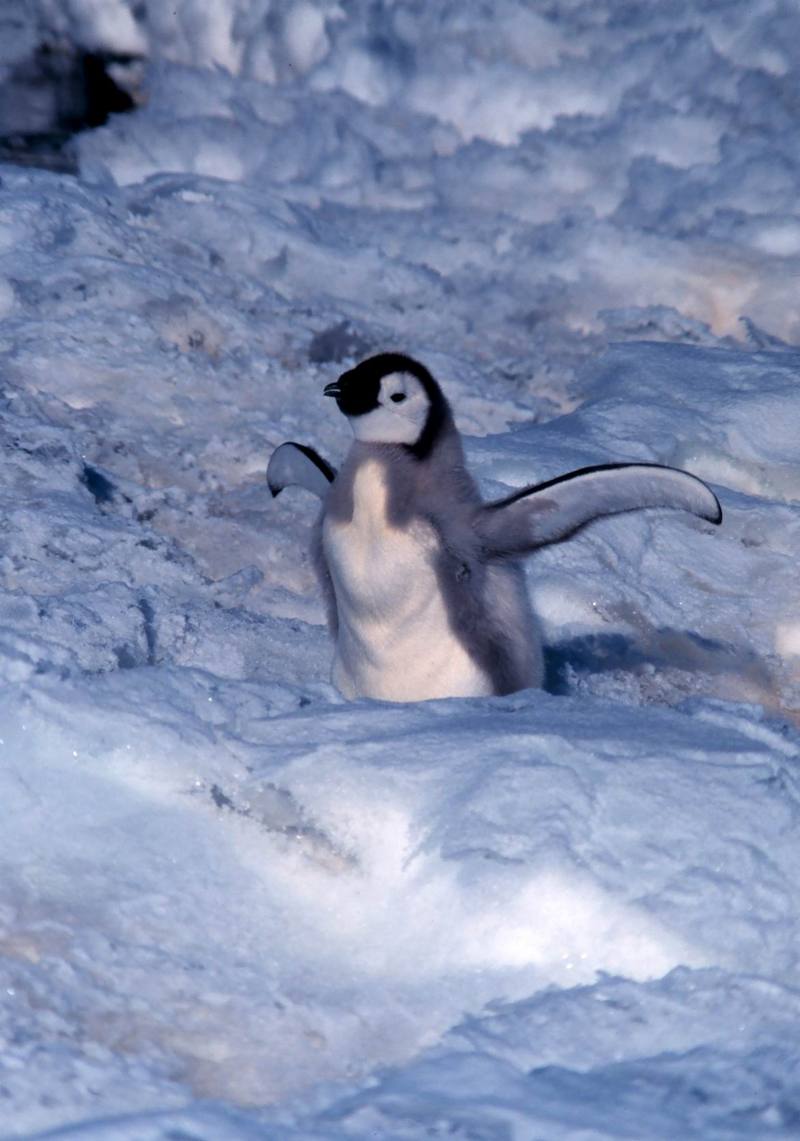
x=56, y=92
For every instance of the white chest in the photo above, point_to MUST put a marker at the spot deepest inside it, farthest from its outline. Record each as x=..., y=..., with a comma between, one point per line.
x=395, y=638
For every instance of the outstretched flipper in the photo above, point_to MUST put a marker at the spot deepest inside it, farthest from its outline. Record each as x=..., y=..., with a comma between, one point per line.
x=295, y=465
x=551, y=511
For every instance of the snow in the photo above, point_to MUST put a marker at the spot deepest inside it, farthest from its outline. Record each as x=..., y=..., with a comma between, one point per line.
x=233, y=905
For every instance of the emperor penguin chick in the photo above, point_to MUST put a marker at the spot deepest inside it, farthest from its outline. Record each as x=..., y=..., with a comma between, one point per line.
x=423, y=580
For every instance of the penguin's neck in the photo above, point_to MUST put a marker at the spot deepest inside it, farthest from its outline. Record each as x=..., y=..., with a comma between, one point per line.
x=405, y=484
x=370, y=488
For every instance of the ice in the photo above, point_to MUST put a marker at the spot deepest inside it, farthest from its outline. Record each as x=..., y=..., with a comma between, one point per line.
x=233, y=905
x=376, y=895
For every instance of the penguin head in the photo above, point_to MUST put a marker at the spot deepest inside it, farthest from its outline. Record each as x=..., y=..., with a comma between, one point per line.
x=391, y=399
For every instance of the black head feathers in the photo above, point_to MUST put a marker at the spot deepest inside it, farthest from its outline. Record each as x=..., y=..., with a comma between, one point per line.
x=358, y=392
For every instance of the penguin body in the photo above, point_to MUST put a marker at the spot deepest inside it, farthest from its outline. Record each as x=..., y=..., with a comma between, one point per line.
x=418, y=615
x=426, y=594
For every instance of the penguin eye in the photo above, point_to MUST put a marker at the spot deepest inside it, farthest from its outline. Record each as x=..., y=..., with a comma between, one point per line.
x=398, y=397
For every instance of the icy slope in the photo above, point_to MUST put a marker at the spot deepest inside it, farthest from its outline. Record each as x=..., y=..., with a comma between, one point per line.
x=233, y=906
x=221, y=882
x=207, y=896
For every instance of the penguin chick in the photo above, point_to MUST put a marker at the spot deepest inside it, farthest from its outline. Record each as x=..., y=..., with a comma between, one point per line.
x=425, y=591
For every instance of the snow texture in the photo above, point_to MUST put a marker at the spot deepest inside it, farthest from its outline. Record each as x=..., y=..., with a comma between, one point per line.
x=234, y=906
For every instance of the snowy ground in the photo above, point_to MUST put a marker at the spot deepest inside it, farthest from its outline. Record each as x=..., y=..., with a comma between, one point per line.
x=233, y=906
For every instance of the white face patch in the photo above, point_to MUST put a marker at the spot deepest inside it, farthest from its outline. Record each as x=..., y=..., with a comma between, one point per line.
x=401, y=413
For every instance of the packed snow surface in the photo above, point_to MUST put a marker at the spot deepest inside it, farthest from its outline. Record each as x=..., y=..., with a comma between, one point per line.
x=234, y=906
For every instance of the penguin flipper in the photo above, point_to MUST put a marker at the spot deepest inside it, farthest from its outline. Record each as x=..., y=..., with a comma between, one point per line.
x=554, y=510
x=296, y=465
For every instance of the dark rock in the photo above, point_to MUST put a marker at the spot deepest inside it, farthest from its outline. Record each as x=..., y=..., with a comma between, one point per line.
x=337, y=343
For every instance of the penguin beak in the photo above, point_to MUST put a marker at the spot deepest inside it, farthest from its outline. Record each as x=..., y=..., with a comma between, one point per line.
x=332, y=389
